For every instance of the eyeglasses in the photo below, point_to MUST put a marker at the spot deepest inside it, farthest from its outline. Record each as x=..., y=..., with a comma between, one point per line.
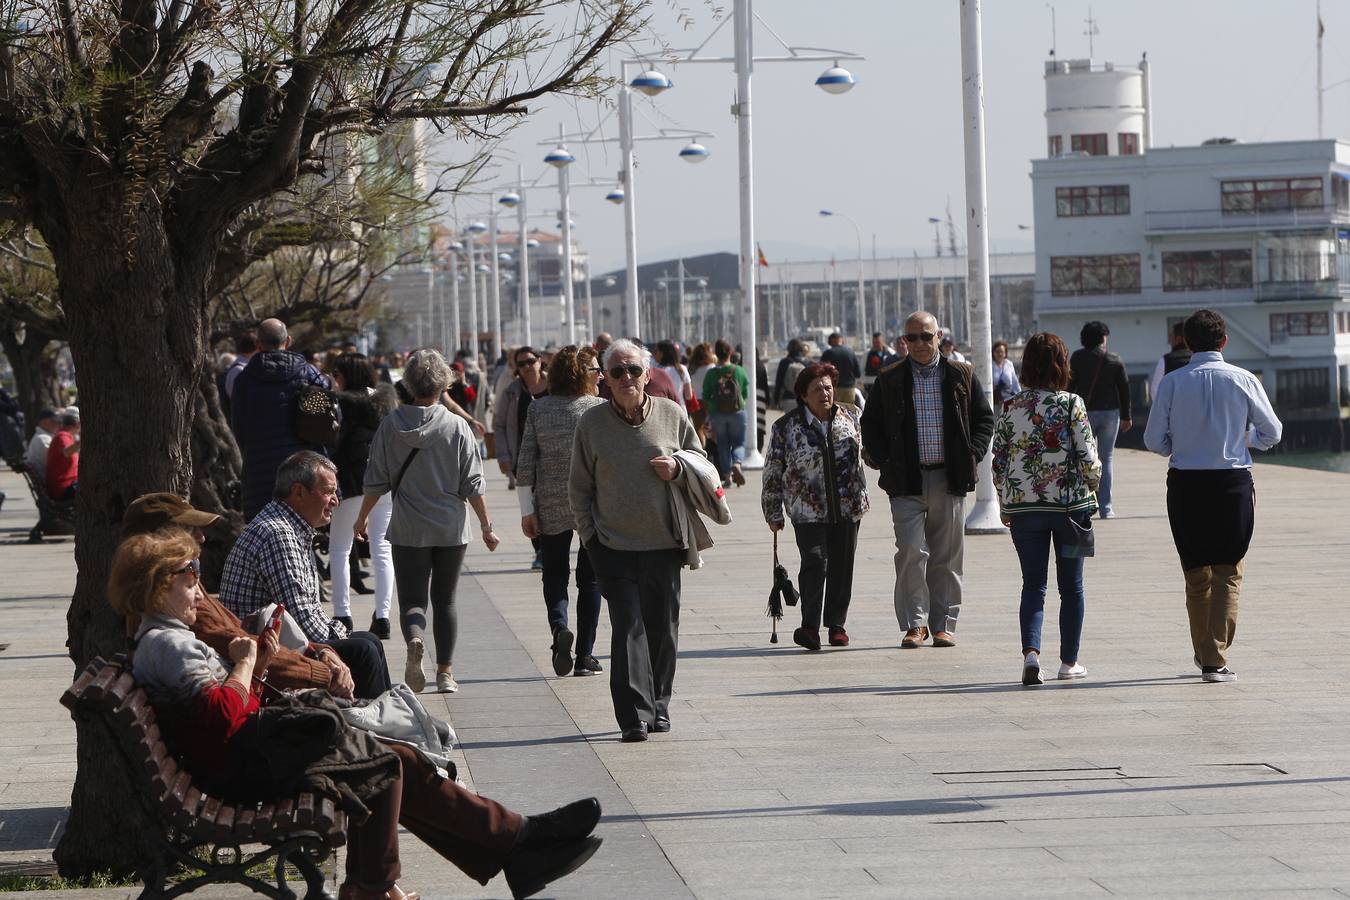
x=527, y=362
x=594, y=369
x=193, y=566
x=632, y=371
x=925, y=337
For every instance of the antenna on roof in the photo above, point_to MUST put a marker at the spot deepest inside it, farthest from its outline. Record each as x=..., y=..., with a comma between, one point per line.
x=1091, y=31
x=1053, y=41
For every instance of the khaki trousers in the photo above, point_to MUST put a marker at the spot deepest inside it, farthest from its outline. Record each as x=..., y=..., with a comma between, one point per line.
x=1212, y=606
x=929, y=555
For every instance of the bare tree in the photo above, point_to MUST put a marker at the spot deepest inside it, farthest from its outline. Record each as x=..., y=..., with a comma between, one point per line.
x=136, y=134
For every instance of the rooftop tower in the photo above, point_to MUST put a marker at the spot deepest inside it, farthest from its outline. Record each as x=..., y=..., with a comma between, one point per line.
x=1096, y=109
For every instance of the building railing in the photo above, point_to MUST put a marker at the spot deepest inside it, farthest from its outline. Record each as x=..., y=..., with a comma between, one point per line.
x=1211, y=219
x=1318, y=289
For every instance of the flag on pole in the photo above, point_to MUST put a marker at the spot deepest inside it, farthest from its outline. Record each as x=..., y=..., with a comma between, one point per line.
x=759, y=253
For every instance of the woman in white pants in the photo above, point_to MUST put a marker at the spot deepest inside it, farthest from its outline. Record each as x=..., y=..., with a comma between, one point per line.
x=364, y=404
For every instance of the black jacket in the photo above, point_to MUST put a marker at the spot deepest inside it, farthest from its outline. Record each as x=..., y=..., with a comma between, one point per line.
x=362, y=413
x=1112, y=387
x=845, y=361
x=891, y=438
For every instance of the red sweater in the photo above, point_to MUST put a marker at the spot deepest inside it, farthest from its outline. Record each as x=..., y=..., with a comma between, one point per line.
x=201, y=733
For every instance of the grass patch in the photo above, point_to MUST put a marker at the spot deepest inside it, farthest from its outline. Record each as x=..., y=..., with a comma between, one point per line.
x=17, y=881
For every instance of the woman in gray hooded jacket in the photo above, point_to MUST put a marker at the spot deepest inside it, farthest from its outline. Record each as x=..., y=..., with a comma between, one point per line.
x=428, y=459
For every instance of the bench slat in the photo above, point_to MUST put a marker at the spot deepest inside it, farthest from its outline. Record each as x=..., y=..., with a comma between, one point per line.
x=187, y=813
x=304, y=809
x=337, y=835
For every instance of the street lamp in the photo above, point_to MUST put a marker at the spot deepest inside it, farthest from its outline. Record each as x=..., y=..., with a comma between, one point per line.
x=615, y=196
x=862, y=324
x=560, y=159
x=693, y=152
x=836, y=80
x=651, y=83
x=473, y=229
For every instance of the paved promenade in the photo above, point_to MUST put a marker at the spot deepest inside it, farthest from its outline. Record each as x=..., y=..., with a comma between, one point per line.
x=868, y=771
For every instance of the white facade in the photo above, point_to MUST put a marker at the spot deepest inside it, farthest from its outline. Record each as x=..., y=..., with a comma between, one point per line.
x=1260, y=232
x=1095, y=108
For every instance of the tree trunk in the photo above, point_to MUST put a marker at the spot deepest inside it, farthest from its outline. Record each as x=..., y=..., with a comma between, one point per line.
x=216, y=466
x=34, y=363
x=136, y=315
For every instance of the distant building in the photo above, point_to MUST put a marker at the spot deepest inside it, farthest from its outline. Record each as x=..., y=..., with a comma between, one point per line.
x=1139, y=237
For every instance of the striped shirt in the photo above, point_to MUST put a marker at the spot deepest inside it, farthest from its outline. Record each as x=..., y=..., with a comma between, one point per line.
x=272, y=561
x=928, y=411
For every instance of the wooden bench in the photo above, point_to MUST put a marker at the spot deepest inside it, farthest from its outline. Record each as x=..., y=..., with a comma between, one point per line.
x=200, y=831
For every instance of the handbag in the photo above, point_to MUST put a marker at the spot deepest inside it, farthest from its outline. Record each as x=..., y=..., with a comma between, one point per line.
x=317, y=417
x=1083, y=540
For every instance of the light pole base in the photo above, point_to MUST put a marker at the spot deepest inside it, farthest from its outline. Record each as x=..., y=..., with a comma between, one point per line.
x=753, y=459
x=983, y=519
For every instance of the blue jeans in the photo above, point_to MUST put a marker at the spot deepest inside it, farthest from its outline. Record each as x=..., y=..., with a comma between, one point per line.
x=1105, y=426
x=1032, y=534
x=556, y=550
x=729, y=431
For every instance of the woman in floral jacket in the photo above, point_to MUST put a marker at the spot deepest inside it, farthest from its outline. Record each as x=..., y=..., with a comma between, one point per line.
x=814, y=468
x=1046, y=469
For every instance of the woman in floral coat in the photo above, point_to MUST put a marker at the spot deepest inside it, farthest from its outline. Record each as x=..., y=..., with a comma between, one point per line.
x=814, y=468
x=1046, y=469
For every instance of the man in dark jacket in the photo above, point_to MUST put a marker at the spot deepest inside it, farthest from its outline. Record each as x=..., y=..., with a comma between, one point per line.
x=1099, y=378
x=263, y=410
x=926, y=426
x=843, y=359
x=785, y=379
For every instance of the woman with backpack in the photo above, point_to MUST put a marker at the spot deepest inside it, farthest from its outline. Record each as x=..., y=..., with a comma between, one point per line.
x=1046, y=469
x=725, y=390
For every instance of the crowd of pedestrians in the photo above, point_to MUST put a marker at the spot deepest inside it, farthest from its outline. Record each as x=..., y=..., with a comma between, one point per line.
x=631, y=452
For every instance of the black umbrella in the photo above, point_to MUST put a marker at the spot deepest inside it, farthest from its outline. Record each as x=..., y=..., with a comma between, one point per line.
x=782, y=590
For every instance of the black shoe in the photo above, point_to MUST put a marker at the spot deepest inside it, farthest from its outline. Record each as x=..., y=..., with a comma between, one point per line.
x=529, y=869
x=807, y=637
x=661, y=725
x=580, y=670
x=634, y=735
x=1218, y=673
x=345, y=620
x=564, y=825
x=538, y=564
x=359, y=586
x=590, y=663
x=380, y=628
x=562, y=652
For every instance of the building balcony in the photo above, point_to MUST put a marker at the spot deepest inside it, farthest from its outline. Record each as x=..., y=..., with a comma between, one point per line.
x=1319, y=289
x=1193, y=220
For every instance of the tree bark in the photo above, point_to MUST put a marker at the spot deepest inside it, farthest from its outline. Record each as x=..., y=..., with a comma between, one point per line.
x=136, y=317
x=34, y=363
x=216, y=466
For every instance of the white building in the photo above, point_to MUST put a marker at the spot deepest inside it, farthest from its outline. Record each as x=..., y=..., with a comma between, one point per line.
x=1140, y=236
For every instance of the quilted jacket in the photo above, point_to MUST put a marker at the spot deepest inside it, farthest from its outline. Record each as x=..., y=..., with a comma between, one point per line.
x=796, y=475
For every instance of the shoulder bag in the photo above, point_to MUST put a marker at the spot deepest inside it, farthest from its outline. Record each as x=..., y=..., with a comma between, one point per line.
x=1083, y=542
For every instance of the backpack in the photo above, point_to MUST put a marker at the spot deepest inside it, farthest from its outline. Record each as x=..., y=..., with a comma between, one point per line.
x=727, y=392
x=788, y=402
x=317, y=420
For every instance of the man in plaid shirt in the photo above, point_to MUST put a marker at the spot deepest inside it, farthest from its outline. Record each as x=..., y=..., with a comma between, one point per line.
x=272, y=561
x=926, y=426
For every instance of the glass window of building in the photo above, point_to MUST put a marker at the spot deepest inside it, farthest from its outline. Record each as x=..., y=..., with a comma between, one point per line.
x=1093, y=200
x=1127, y=143
x=1270, y=195
x=1303, y=388
x=1115, y=274
x=1207, y=270
x=1091, y=144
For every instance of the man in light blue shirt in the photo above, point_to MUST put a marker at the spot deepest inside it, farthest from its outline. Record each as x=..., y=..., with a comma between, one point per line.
x=1206, y=417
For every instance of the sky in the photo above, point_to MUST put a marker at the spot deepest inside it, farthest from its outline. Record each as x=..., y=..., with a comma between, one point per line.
x=890, y=153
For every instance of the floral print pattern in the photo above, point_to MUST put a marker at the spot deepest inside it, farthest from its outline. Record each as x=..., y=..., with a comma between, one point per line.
x=795, y=474
x=1045, y=457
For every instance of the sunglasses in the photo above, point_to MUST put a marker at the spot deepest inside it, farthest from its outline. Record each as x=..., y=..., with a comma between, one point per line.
x=193, y=566
x=594, y=369
x=527, y=362
x=925, y=337
x=632, y=371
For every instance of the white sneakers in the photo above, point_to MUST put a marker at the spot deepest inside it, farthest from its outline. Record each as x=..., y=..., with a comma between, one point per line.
x=413, y=676
x=1077, y=670
x=1031, y=670
x=445, y=683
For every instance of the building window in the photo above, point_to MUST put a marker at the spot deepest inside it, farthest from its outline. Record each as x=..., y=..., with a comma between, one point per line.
x=1296, y=259
x=1270, y=195
x=1116, y=274
x=1093, y=200
x=1303, y=388
x=1343, y=323
x=1207, y=270
x=1056, y=145
x=1306, y=324
x=1092, y=144
x=1128, y=143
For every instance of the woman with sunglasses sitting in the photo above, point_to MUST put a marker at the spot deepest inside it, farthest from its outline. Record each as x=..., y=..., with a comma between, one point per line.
x=542, y=468
x=204, y=704
x=622, y=458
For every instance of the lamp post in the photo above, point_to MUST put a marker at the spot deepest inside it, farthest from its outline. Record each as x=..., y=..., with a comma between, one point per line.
x=834, y=80
x=455, y=248
x=861, y=312
x=473, y=229
x=984, y=516
x=560, y=159
x=516, y=200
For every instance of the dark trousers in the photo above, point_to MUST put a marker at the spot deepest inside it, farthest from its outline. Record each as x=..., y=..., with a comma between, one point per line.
x=363, y=653
x=827, y=551
x=1033, y=533
x=642, y=588
x=428, y=576
x=473, y=832
x=557, y=553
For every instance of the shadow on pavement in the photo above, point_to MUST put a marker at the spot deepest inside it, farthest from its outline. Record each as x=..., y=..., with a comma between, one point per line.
x=988, y=687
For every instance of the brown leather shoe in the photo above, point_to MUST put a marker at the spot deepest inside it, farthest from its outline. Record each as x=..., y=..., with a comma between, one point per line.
x=914, y=638
x=944, y=639
x=350, y=890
